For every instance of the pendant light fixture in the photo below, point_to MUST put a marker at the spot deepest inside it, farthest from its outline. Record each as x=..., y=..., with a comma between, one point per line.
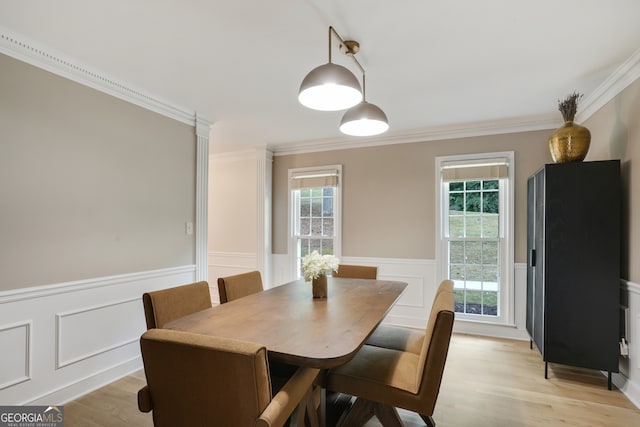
x=332, y=87
x=364, y=120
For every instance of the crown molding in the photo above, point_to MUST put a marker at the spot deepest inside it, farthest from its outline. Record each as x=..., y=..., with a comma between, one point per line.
x=464, y=130
x=239, y=155
x=623, y=76
x=203, y=126
x=22, y=48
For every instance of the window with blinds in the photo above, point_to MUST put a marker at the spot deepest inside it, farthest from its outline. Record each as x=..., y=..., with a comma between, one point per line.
x=474, y=233
x=315, y=212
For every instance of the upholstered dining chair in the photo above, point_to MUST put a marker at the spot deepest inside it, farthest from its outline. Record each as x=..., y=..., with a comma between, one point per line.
x=398, y=337
x=163, y=306
x=239, y=285
x=356, y=271
x=384, y=379
x=200, y=380
x=384, y=335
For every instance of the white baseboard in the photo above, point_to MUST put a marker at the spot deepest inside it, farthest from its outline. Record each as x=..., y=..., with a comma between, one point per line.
x=90, y=383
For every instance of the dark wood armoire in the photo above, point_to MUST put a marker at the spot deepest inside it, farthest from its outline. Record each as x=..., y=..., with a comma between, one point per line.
x=573, y=268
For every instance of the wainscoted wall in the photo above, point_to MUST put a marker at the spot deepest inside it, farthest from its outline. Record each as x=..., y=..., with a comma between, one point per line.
x=63, y=340
x=628, y=380
x=223, y=264
x=413, y=307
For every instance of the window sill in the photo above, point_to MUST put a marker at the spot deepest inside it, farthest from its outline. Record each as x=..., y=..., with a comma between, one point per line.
x=490, y=329
x=485, y=322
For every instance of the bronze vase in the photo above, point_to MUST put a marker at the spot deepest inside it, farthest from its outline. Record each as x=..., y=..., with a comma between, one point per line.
x=319, y=286
x=570, y=143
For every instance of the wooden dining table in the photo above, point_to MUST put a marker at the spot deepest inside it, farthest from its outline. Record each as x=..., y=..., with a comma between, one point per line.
x=295, y=327
x=298, y=329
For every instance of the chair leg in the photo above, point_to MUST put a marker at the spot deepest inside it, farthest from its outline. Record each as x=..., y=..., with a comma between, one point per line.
x=428, y=420
x=361, y=412
x=311, y=411
x=305, y=413
x=388, y=415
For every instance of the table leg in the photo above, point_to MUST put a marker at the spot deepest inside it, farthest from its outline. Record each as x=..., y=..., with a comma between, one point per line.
x=322, y=416
x=322, y=406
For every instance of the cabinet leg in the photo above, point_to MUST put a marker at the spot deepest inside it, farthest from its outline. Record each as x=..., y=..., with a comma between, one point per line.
x=530, y=344
x=546, y=370
x=609, y=380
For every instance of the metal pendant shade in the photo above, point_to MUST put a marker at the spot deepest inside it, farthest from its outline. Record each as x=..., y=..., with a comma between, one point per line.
x=330, y=87
x=364, y=119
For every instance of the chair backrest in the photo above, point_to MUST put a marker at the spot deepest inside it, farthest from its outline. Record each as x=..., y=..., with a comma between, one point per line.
x=356, y=271
x=163, y=306
x=239, y=285
x=202, y=380
x=436, y=345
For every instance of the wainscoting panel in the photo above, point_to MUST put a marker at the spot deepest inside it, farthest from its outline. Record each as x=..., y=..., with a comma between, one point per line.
x=15, y=341
x=223, y=264
x=75, y=342
x=628, y=380
x=281, y=272
x=68, y=339
x=520, y=297
x=413, y=296
x=413, y=308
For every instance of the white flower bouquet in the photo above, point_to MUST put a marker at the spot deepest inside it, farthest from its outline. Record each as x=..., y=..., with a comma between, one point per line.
x=314, y=265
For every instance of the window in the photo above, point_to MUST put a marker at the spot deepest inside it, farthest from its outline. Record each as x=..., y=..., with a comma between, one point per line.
x=475, y=244
x=315, y=213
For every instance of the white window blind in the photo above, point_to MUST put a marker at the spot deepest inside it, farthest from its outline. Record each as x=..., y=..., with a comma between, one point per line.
x=309, y=179
x=466, y=170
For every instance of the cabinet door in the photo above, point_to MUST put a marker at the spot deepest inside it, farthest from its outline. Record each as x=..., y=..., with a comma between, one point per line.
x=582, y=264
x=539, y=288
x=531, y=260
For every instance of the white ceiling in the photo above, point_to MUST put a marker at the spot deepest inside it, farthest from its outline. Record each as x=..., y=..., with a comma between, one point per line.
x=429, y=63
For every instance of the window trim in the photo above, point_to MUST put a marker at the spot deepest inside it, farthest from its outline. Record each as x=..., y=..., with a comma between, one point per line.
x=507, y=288
x=337, y=212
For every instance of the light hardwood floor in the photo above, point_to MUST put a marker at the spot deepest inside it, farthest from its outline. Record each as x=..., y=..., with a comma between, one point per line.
x=487, y=382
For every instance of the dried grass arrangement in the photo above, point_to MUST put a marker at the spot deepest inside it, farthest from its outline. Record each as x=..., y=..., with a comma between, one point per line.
x=569, y=106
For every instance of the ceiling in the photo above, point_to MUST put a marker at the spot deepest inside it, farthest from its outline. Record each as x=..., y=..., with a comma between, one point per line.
x=429, y=63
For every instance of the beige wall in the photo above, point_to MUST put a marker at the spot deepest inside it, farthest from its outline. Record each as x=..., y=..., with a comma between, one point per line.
x=232, y=205
x=90, y=185
x=389, y=192
x=615, y=134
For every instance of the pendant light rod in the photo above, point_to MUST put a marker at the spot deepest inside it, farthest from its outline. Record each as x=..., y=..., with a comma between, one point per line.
x=349, y=52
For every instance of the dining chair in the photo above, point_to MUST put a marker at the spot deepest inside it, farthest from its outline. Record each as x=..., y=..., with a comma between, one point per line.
x=384, y=379
x=163, y=306
x=239, y=285
x=198, y=380
x=389, y=336
x=356, y=271
x=399, y=337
